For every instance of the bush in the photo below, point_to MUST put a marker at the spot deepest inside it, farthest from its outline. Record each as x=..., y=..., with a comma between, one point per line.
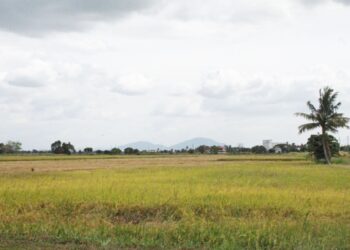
x=315, y=147
x=131, y=151
x=259, y=150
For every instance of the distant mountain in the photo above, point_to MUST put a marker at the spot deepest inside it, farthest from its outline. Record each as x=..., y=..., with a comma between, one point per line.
x=196, y=142
x=143, y=145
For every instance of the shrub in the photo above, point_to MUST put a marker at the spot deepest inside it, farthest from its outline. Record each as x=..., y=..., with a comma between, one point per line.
x=314, y=145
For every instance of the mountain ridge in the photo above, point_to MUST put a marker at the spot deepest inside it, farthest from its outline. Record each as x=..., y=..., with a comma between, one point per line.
x=191, y=143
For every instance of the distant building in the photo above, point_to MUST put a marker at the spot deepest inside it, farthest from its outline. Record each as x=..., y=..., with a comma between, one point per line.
x=222, y=150
x=277, y=150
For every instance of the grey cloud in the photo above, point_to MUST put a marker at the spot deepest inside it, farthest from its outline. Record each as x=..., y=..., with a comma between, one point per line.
x=317, y=2
x=25, y=82
x=343, y=1
x=238, y=11
x=38, y=16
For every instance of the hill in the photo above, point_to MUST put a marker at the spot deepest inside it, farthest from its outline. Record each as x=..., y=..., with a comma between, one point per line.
x=143, y=145
x=196, y=142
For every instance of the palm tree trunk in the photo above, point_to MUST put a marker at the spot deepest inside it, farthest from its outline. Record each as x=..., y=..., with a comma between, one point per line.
x=324, y=144
x=328, y=149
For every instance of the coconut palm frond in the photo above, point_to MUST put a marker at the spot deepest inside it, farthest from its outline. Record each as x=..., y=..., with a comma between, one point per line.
x=310, y=117
x=311, y=107
x=325, y=116
x=308, y=126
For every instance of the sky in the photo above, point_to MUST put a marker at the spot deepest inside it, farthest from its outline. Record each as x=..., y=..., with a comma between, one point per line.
x=103, y=73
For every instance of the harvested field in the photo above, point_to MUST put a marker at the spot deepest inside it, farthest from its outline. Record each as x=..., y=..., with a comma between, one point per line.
x=179, y=202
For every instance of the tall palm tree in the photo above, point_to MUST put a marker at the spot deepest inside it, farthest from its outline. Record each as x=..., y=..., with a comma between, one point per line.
x=325, y=117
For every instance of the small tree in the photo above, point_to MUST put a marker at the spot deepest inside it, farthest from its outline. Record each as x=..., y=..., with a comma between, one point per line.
x=88, y=150
x=315, y=146
x=68, y=148
x=129, y=151
x=13, y=146
x=116, y=151
x=202, y=149
x=56, y=147
x=62, y=148
x=214, y=150
x=259, y=150
x=10, y=147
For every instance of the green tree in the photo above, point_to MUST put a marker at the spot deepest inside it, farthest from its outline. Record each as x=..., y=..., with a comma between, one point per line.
x=62, y=148
x=10, y=147
x=214, y=150
x=68, y=148
x=116, y=151
x=202, y=149
x=259, y=150
x=326, y=117
x=88, y=150
x=130, y=151
x=56, y=147
x=315, y=146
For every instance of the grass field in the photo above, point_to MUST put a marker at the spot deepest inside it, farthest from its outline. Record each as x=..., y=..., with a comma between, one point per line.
x=173, y=202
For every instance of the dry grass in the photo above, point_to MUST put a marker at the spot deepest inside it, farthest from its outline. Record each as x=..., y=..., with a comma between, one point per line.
x=182, y=202
x=25, y=164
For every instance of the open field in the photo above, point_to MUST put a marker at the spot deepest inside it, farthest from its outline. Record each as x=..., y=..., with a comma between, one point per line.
x=181, y=202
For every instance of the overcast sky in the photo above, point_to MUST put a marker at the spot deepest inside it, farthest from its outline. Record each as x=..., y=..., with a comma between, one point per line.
x=103, y=73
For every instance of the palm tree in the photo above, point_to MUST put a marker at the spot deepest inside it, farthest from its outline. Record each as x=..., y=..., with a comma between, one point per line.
x=325, y=117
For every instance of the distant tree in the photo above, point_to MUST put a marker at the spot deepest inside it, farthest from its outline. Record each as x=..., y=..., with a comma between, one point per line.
x=2, y=148
x=315, y=146
x=10, y=147
x=13, y=146
x=130, y=151
x=325, y=117
x=116, y=151
x=259, y=149
x=345, y=148
x=214, y=149
x=62, y=148
x=303, y=148
x=88, y=150
x=56, y=147
x=202, y=149
x=190, y=151
x=68, y=148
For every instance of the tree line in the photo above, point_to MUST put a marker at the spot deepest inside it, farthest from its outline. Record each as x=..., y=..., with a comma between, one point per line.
x=10, y=147
x=322, y=146
x=314, y=146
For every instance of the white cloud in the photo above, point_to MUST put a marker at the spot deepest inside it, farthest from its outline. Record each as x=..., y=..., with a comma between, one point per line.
x=227, y=91
x=132, y=85
x=36, y=74
x=179, y=106
x=224, y=83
